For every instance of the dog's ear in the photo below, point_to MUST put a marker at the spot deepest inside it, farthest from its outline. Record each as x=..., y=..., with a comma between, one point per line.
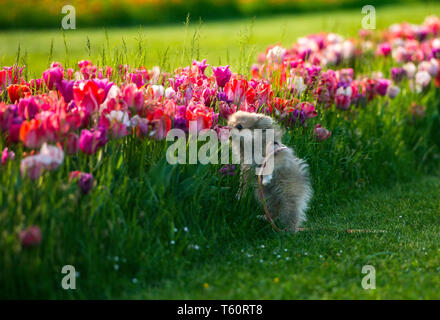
x=231, y=119
x=265, y=122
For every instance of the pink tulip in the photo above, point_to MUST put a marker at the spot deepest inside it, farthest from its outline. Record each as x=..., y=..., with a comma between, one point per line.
x=343, y=97
x=321, y=133
x=383, y=49
x=91, y=140
x=7, y=155
x=222, y=75
x=382, y=86
x=30, y=237
x=49, y=158
x=53, y=76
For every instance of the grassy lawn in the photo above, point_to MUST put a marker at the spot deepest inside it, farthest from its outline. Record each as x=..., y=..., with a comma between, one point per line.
x=327, y=264
x=219, y=42
x=152, y=230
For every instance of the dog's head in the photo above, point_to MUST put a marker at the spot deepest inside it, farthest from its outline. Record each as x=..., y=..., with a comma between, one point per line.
x=248, y=120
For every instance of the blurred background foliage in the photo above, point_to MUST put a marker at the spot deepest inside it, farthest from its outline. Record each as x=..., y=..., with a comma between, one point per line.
x=93, y=13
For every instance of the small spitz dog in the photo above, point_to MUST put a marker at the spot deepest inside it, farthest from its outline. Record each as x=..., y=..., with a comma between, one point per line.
x=287, y=190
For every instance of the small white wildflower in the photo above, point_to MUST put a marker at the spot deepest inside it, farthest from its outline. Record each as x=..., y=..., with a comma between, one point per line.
x=175, y=229
x=196, y=247
x=185, y=229
x=262, y=246
x=172, y=242
x=116, y=267
x=134, y=280
x=116, y=258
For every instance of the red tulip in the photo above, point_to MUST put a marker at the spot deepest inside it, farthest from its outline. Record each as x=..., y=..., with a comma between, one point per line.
x=17, y=91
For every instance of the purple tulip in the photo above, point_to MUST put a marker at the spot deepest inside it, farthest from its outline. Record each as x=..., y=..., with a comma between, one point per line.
x=436, y=53
x=382, y=86
x=222, y=75
x=181, y=123
x=103, y=84
x=65, y=87
x=28, y=108
x=397, y=74
x=52, y=76
x=91, y=140
x=201, y=65
x=84, y=180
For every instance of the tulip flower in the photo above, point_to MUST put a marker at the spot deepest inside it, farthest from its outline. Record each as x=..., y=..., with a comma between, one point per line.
x=30, y=237
x=343, y=97
x=7, y=155
x=18, y=91
x=276, y=54
x=422, y=80
x=222, y=75
x=384, y=49
x=91, y=140
x=65, y=87
x=393, y=91
x=321, y=133
x=84, y=180
x=397, y=74
x=53, y=77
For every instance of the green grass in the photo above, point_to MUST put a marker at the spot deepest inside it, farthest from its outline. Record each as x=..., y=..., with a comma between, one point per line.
x=136, y=215
x=326, y=262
